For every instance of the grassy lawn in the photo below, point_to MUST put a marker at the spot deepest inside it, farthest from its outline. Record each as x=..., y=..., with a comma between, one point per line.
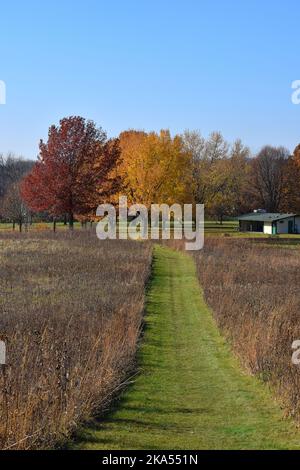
x=228, y=228
x=214, y=227
x=6, y=226
x=39, y=226
x=191, y=392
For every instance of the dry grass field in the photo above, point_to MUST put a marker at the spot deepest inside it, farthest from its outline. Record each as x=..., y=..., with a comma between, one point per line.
x=71, y=309
x=253, y=289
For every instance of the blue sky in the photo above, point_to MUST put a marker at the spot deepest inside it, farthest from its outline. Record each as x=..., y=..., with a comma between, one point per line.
x=221, y=65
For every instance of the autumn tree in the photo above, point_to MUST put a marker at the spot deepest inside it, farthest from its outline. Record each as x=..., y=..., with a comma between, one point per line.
x=12, y=169
x=219, y=172
x=13, y=207
x=268, y=178
x=291, y=194
x=195, y=145
x=206, y=155
x=239, y=175
x=216, y=147
x=155, y=168
x=74, y=170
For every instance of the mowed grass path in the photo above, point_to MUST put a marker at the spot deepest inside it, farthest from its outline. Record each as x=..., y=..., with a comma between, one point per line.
x=190, y=393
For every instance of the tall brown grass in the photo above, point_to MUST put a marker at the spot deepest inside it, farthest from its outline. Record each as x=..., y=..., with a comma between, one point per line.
x=253, y=289
x=71, y=311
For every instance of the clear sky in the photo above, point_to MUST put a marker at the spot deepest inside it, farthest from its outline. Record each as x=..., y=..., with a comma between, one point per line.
x=211, y=65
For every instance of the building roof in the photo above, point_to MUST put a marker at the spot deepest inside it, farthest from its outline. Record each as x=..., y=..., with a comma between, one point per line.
x=264, y=216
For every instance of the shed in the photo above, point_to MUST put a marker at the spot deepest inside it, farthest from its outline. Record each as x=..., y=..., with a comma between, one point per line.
x=269, y=223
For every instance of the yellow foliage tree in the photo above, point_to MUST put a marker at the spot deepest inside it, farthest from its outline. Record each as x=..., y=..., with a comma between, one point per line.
x=155, y=168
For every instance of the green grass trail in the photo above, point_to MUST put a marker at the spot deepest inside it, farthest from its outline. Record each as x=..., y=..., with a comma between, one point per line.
x=191, y=392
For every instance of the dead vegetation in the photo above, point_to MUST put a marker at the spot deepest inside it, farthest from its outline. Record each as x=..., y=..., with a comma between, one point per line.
x=70, y=311
x=253, y=290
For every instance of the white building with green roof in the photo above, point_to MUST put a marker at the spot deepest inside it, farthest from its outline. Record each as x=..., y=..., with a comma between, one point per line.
x=269, y=223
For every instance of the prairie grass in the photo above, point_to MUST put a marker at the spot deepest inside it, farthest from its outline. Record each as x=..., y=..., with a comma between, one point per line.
x=253, y=289
x=71, y=309
x=192, y=393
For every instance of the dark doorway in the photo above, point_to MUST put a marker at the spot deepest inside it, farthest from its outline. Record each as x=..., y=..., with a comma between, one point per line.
x=256, y=227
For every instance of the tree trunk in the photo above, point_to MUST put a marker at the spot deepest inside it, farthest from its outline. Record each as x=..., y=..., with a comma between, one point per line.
x=71, y=221
x=54, y=224
x=20, y=226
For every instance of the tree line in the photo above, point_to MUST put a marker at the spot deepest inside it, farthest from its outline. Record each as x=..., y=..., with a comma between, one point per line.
x=79, y=167
x=12, y=170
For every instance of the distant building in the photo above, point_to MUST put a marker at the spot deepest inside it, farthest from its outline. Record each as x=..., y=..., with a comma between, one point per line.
x=269, y=223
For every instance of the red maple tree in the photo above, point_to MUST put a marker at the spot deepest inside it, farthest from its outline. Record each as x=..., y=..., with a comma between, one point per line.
x=74, y=171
